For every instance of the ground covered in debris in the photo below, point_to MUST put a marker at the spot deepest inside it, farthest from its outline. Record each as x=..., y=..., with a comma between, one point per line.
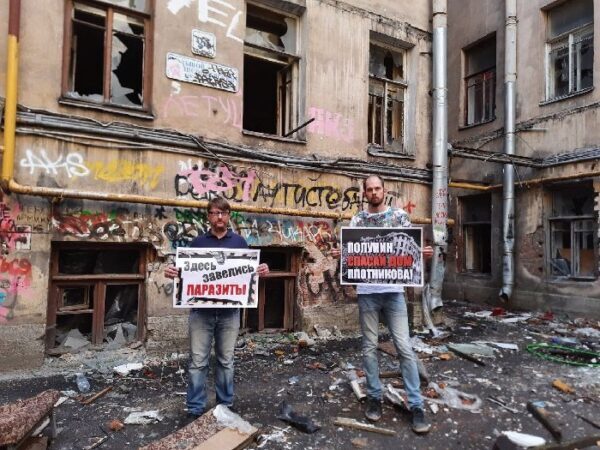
x=469, y=401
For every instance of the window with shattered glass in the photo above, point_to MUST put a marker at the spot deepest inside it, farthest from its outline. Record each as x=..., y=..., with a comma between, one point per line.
x=96, y=296
x=476, y=218
x=108, y=51
x=387, y=86
x=271, y=72
x=570, y=48
x=573, y=246
x=480, y=82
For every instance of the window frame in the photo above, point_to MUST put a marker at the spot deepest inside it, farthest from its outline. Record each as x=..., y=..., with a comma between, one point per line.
x=98, y=284
x=401, y=84
x=287, y=115
x=469, y=203
x=569, y=39
x=574, y=250
x=66, y=98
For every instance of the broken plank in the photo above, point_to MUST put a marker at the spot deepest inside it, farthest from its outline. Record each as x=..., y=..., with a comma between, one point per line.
x=227, y=439
x=96, y=396
x=353, y=423
x=467, y=356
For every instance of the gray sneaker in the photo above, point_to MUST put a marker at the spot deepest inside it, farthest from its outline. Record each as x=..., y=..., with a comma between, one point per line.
x=373, y=411
x=419, y=424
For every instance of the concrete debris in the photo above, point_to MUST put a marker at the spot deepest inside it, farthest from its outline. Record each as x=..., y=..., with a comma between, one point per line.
x=454, y=398
x=143, y=417
x=323, y=333
x=358, y=392
x=125, y=369
x=304, y=340
x=360, y=442
x=115, y=425
x=75, y=341
x=588, y=332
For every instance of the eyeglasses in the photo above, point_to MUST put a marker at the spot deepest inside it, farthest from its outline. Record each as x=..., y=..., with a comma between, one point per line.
x=218, y=213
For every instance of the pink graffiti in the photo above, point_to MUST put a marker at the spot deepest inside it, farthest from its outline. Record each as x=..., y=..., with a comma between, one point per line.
x=218, y=180
x=331, y=124
x=192, y=106
x=12, y=236
x=409, y=207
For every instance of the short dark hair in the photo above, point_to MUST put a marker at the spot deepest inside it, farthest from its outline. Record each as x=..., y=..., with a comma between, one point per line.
x=219, y=203
x=372, y=176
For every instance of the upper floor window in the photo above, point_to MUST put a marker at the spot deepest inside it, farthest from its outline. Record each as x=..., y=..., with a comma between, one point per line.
x=106, y=52
x=271, y=72
x=573, y=246
x=387, y=91
x=480, y=82
x=570, y=48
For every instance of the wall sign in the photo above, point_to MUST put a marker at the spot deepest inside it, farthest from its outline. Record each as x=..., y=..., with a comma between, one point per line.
x=204, y=43
x=200, y=72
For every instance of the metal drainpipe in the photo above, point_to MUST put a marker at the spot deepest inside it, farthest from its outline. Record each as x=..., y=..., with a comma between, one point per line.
x=508, y=219
x=432, y=295
x=10, y=106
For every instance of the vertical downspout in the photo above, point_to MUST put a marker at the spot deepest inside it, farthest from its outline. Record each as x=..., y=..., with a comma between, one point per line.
x=508, y=219
x=432, y=295
x=10, y=106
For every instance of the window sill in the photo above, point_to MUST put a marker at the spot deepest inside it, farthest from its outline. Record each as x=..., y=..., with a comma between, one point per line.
x=273, y=137
x=473, y=125
x=138, y=114
x=566, y=97
x=375, y=150
x=559, y=280
x=481, y=275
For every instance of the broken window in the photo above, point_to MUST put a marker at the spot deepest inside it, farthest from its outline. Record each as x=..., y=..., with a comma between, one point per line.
x=271, y=70
x=480, y=82
x=477, y=233
x=95, y=296
x=276, y=292
x=387, y=87
x=570, y=48
x=573, y=247
x=106, y=51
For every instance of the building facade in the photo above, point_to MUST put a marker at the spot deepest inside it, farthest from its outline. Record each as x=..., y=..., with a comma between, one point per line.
x=557, y=148
x=132, y=113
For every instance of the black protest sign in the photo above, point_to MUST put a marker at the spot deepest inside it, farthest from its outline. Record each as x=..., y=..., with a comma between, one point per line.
x=382, y=256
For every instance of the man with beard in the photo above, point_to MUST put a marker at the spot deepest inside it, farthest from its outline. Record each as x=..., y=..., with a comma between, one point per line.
x=388, y=300
x=222, y=324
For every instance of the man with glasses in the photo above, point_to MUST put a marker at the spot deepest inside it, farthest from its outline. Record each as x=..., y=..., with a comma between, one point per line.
x=222, y=324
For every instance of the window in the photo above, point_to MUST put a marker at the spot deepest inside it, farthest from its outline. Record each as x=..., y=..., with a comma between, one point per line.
x=96, y=294
x=573, y=248
x=106, y=53
x=276, y=291
x=570, y=48
x=387, y=87
x=480, y=82
x=271, y=71
x=477, y=233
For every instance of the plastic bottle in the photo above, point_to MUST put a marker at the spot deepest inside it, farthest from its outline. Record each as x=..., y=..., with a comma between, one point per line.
x=82, y=383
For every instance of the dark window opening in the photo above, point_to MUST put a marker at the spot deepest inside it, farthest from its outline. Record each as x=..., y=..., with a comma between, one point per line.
x=107, y=56
x=260, y=102
x=480, y=82
x=573, y=245
x=477, y=233
x=96, y=296
x=276, y=299
x=270, y=72
x=385, y=127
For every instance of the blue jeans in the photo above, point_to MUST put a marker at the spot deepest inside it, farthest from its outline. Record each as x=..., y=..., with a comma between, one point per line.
x=393, y=307
x=205, y=324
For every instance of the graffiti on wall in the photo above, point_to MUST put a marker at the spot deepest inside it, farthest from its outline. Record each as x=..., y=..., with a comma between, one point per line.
x=74, y=165
x=12, y=235
x=204, y=44
x=330, y=124
x=15, y=276
x=229, y=107
x=216, y=12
